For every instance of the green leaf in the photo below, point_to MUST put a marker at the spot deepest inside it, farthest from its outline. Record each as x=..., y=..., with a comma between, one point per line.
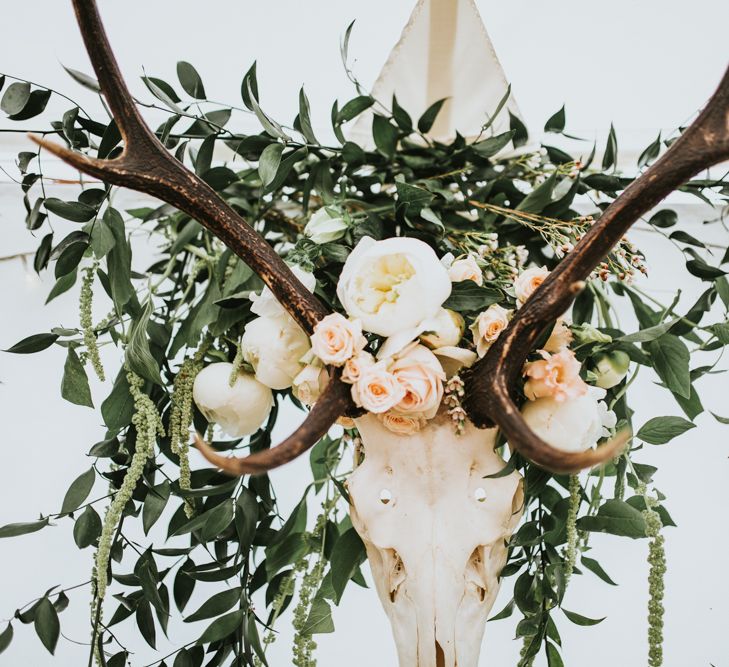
x=216, y=605
x=269, y=162
x=492, y=145
x=221, y=627
x=720, y=419
x=660, y=430
x=615, y=517
x=412, y=198
x=401, y=117
x=246, y=518
x=610, y=157
x=426, y=121
x=163, y=92
x=183, y=659
x=269, y=125
x=102, y=238
x=663, y=219
x=249, y=86
x=553, y=657
x=75, y=383
x=6, y=636
x=15, y=98
x=117, y=409
x=650, y=153
x=145, y=622
x=521, y=135
x=84, y=79
x=78, y=491
x=507, y=611
x=319, y=620
x=34, y=343
x=347, y=555
x=15, y=529
x=190, y=80
x=540, y=197
x=212, y=522
x=305, y=118
x=556, y=122
x=138, y=354
x=119, y=261
x=466, y=295
x=354, y=108
x=595, y=567
x=46, y=625
x=671, y=361
x=579, y=619
x=70, y=210
x=154, y=505
x=651, y=333
x=87, y=528
x=385, y=135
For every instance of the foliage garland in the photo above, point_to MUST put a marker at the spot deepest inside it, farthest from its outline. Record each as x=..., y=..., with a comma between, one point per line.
x=191, y=306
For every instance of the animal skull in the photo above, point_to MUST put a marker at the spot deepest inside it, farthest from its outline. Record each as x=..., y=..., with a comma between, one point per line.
x=435, y=531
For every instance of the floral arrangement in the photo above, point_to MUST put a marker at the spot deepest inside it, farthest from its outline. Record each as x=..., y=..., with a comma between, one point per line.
x=424, y=251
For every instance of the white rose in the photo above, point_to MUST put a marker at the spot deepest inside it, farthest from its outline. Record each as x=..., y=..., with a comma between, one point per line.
x=466, y=269
x=402, y=424
x=573, y=425
x=265, y=304
x=355, y=366
x=274, y=347
x=377, y=390
x=239, y=410
x=336, y=339
x=446, y=329
x=488, y=326
x=528, y=281
x=392, y=285
x=420, y=374
x=323, y=227
x=310, y=383
x=611, y=369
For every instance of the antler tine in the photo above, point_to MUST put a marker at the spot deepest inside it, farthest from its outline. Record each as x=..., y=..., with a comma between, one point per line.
x=145, y=165
x=490, y=381
x=332, y=403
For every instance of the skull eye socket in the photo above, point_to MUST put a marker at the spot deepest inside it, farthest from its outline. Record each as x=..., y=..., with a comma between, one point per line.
x=385, y=496
x=479, y=494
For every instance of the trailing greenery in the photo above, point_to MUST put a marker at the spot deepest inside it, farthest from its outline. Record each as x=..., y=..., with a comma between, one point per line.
x=190, y=306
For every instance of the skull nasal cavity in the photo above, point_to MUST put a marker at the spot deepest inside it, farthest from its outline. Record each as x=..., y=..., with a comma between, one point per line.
x=439, y=655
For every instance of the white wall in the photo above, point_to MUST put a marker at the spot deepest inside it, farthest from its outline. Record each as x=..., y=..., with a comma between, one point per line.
x=645, y=66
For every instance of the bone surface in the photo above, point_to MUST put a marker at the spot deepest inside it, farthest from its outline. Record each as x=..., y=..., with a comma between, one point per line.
x=436, y=532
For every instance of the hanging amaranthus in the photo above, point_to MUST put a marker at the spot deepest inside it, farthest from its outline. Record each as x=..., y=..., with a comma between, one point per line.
x=571, y=526
x=87, y=325
x=656, y=582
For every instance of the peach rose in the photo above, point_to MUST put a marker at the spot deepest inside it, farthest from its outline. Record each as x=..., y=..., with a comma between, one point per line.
x=556, y=375
x=402, y=424
x=336, y=339
x=310, y=383
x=488, y=325
x=528, y=281
x=377, y=390
x=560, y=338
x=355, y=366
x=421, y=376
x=466, y=269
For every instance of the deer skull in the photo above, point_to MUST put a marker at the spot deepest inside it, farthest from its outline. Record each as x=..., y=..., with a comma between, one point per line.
x=435, y=531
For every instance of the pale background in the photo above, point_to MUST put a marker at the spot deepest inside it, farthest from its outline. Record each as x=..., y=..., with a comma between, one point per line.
x=643, y=66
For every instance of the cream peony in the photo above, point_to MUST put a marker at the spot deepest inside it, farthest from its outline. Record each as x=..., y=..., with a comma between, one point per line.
x=355, y=366
x=377, y=390
x=488, y=325
x=392, y=285
x=325, y=226
x=573, y=425
x=336, y=339
x=265, y=304
x=421, y=376
x=274, y=347
x=555, y=375
x=466, y=269
x=402, y=424
x=310, y=383
x=445, y=329
x=239, y=410
x=560, y=338
x=528, y=281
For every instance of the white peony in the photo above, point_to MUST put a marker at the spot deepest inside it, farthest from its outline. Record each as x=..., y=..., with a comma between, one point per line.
x=310, y=383
x=239, y=410
x=274, y=347
x=446, y=329
x=323, y=227
x=573, y=425
x=265, y=304
x=392, y=285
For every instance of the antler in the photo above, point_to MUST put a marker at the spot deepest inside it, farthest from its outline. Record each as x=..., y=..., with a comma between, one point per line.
x=489, y=382
x=145, y=165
